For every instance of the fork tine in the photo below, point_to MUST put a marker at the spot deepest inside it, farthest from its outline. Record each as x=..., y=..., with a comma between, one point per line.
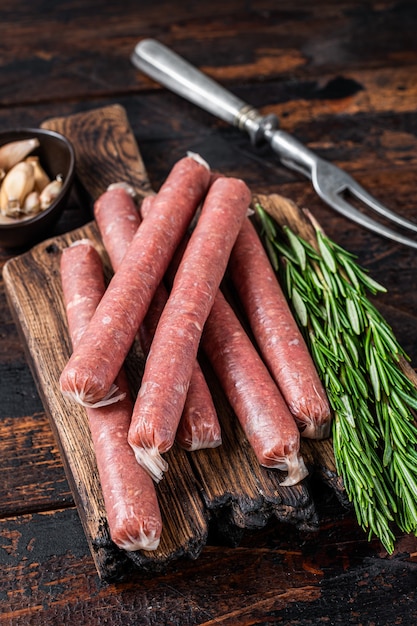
x=329, y=181
x=361, y=193
x=345, y=208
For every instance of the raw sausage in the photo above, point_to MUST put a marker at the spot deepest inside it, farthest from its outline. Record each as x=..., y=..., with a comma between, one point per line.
x=117, y=218
x=174, y=348
x=129, y=493
x=280, y=341
x=199, y=425
x=89, y=375
x=255, y=398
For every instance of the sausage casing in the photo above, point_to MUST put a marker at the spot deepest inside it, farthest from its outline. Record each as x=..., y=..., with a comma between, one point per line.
x=255, y=398
x=168, y=368
x=276, y=332
x=129, y=494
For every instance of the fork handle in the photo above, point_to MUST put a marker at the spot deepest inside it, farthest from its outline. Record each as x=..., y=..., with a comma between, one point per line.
x=174, y=72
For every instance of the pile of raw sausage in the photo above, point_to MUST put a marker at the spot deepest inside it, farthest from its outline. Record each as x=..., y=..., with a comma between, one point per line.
x=169, y=261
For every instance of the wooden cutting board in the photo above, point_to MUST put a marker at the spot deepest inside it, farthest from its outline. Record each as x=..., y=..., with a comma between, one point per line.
x=225, y=487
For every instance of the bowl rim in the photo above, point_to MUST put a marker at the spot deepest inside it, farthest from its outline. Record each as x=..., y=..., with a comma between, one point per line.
x=67, y=181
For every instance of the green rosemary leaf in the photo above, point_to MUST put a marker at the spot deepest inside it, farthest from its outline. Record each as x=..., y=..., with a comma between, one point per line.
x=371, y=437
x=317, y=356
x=310, y=251
x=386, y=336
x=387, y=455
x=343, y=316
x=326, y=252
x=373, y=375
x=382, y=371
x=334, y=342
x=396, y=433
x=400, y=404
x=297, y=247
x=315, y=279
x=348, y=412
x=343, y=253
x=354, y=473
x=342, y=286
x=410, y=460
x=358, y=276
x=285, y=252
x=344, y=354
x=408, y=398
x=358, y=382
x=268, y=224
x=352, y=313
x=348, y=267
x=328, y=277
x=299, y=307
x=382, y=497
x=351, y=346
x=315, y=309
x=377, y=340
x=326, y=353
x=334, y=381
x=299, y=280
x=272, y=254
x=406, y=475
x=317, y=328
x=336, y=315
x=372, y=285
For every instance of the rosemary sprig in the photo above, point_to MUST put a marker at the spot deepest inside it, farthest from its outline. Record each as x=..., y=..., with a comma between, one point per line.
x=358, y=359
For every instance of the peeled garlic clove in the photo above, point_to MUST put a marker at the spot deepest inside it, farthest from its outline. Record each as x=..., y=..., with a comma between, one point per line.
x=18, y=182
x=32, y=203
x=41, y=177
x=15, y=151
x=13, y=209
x=3, y=200
x=50, y=192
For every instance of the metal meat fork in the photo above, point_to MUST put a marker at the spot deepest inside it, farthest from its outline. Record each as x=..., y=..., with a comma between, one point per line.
x=329, y=181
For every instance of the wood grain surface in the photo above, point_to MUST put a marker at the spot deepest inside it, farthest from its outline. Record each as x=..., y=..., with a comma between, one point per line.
x=341, y=76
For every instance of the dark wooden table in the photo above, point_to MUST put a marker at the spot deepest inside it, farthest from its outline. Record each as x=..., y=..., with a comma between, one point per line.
x=342, y=76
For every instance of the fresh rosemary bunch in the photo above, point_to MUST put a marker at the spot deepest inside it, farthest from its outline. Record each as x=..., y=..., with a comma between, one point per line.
x=359, y=361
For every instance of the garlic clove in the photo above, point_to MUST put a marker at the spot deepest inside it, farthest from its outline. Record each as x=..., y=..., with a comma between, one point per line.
x=41, y=177
x=32, y=204
x=51, y=192
x=18, y=182
x=15, y=151
x=13, y=209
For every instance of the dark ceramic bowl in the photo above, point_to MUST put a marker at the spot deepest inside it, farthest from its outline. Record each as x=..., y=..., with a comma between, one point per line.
x=56, y=155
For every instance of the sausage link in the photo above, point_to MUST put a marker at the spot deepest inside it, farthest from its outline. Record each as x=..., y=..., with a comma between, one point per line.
x=81, y=298
x=89, y=375
x=129, y=494
x=174, y=349
x=199, y=425
x=279, y=339
x=118, y=218
x=255, y=398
